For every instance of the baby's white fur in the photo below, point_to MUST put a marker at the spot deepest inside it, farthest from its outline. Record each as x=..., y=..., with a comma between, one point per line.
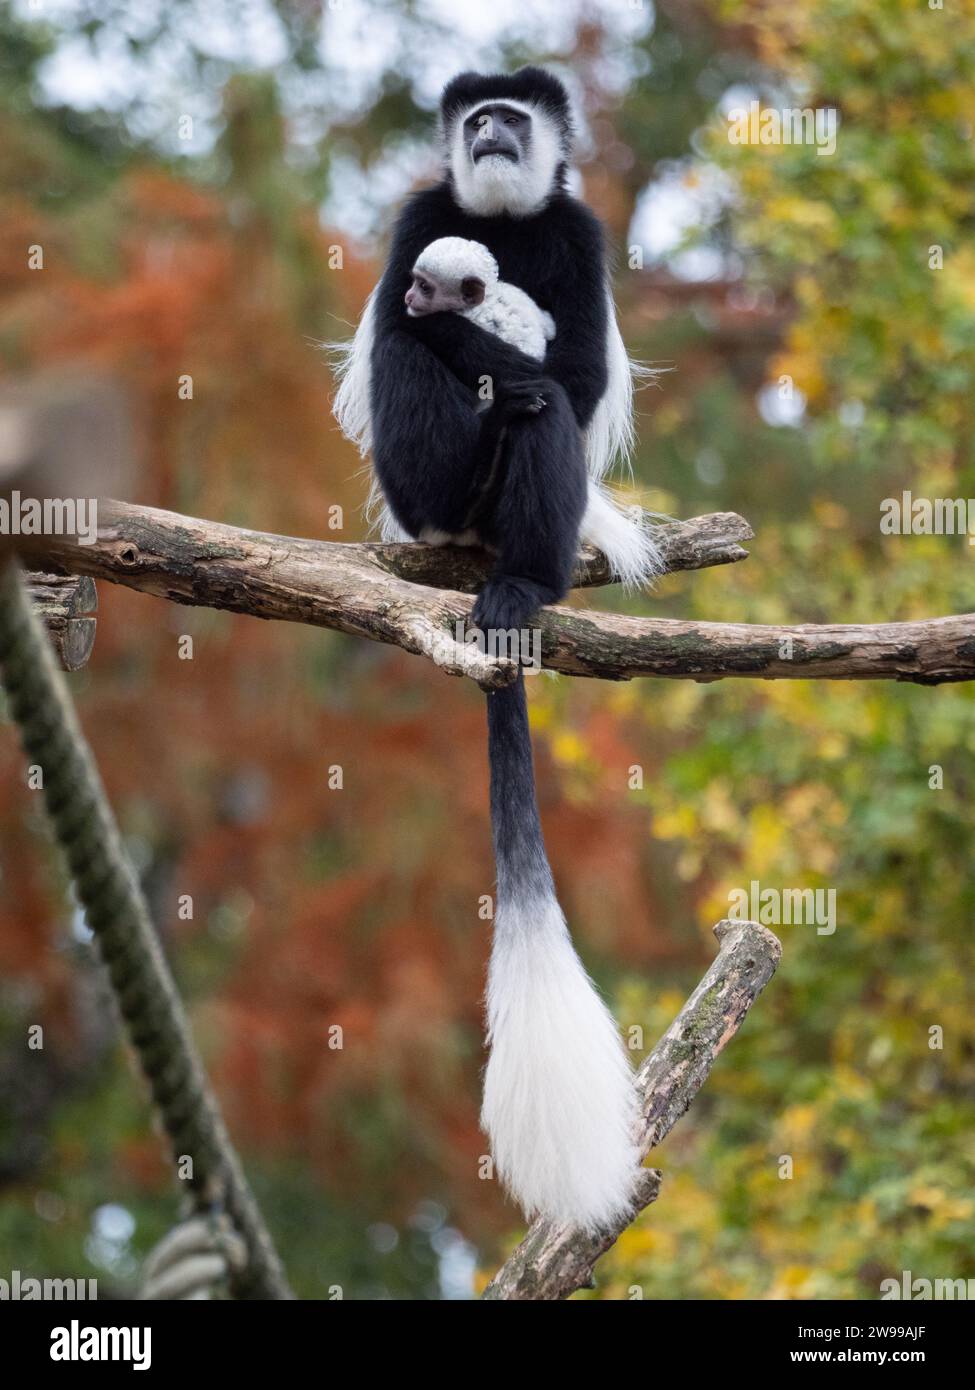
x=505, y=310
x=559, y=1102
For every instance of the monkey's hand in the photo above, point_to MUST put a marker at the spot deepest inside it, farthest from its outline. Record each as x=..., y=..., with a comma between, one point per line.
x=516, y=399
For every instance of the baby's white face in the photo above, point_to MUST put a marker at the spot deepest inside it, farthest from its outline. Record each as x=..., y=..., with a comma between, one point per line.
x=434, y=294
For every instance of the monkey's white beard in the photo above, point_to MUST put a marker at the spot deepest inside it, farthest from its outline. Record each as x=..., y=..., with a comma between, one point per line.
x=559, y=1102
x=494, y=185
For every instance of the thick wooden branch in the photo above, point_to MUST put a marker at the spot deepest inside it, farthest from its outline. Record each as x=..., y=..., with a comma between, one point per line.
x=363, y=589
x=615, y=647
x=552, y=1261
x=66, y=604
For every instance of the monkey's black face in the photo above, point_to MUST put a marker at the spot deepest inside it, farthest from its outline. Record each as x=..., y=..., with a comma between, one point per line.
x=499, y=131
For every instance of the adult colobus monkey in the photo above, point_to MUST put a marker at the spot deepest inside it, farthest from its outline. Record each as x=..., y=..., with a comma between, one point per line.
x=558, y=1095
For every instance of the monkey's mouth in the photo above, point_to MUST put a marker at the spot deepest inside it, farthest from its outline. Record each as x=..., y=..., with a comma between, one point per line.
x=509, y=155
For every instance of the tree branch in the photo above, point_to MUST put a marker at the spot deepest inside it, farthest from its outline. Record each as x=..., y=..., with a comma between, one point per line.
x=553, y=1261
x=383, y=592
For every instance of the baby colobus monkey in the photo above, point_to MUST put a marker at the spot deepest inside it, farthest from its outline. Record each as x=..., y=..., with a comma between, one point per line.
x=559, y=1103
x=455, y=275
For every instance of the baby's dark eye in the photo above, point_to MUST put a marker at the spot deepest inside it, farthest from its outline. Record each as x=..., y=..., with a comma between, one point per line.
x=423, y=287
x=511, y=120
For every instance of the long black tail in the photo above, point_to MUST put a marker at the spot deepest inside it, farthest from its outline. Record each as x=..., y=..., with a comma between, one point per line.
x=559, y=1103
x=519, y=848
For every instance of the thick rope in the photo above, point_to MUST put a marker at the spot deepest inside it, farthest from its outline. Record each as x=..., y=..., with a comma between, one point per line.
x=116, y=912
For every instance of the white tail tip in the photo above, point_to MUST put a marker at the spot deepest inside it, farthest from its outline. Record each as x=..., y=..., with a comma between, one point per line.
x=559, y=1102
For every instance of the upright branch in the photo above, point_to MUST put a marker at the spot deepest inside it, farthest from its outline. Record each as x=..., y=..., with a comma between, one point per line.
x=553, y=1261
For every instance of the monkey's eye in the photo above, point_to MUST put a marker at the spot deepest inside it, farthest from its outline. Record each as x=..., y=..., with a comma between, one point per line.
x=511, y=120
x=424, y=287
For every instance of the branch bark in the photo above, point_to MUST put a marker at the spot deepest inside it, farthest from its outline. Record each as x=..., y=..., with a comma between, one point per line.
x=383, y=593
x=553, y=1261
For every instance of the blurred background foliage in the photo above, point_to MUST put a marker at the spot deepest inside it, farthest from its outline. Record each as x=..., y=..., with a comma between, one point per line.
x=820, y=364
